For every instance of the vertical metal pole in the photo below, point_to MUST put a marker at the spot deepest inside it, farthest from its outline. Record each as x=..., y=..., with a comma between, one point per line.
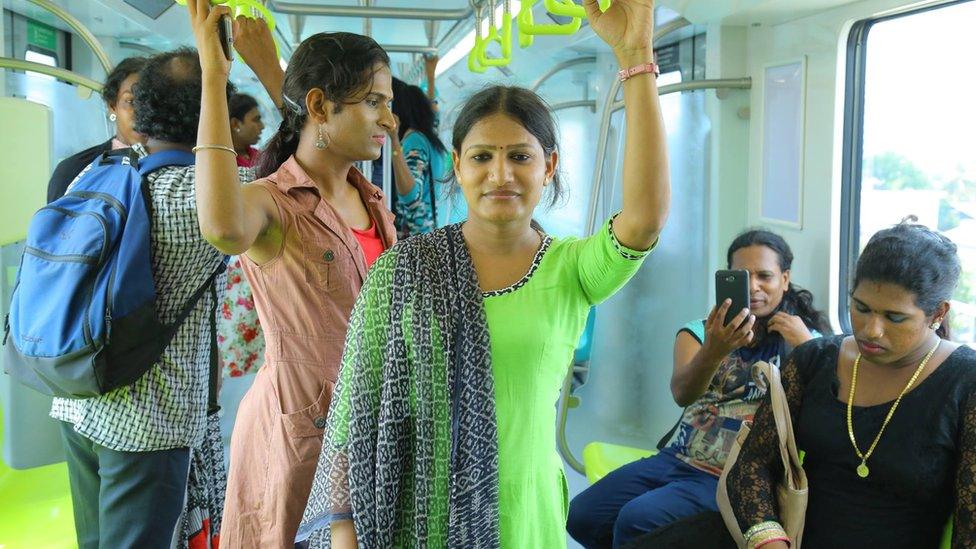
x=388, y=189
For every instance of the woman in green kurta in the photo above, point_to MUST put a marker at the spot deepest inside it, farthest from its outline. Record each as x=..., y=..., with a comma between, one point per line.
x=441, y=431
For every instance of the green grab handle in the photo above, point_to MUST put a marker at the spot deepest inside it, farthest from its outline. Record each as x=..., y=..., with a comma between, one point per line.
x=571, y=9
x=525, y=20
x=567, y=8
x=238, y=7
x=504, y=39
x=474, y=56
x=527, y=27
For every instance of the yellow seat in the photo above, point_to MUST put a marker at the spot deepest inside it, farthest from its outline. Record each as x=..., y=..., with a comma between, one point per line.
x=599, y=458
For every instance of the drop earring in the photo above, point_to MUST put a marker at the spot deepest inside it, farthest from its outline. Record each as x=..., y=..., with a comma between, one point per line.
x=321, y=143
x=112, y=117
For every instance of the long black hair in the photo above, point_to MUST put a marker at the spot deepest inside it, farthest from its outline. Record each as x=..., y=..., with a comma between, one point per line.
x=526, y=108
x=413, y=108
x=341, y=64
x=916, y=258
x=796, y=300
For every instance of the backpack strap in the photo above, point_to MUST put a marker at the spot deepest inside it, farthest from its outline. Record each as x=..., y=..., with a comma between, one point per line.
x=212, y=405
x=191, y=304
x=108, y=157
x=161, y=159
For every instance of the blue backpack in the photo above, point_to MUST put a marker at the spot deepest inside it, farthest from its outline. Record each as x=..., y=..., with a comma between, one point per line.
x=82, y=318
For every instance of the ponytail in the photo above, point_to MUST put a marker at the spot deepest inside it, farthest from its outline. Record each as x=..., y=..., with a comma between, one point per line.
x=283, y=144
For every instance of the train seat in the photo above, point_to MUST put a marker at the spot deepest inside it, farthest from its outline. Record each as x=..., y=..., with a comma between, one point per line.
x=600, y=458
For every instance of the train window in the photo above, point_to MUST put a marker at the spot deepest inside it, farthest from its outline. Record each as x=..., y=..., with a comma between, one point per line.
x=42, y=58
x=909, y=140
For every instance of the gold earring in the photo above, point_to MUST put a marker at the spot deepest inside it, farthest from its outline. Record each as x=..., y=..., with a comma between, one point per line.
x=321, y=143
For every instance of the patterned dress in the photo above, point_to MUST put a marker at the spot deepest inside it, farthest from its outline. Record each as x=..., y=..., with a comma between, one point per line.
x=239, y=335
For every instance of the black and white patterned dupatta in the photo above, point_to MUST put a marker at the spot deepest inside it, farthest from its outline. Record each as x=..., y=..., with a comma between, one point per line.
x=411, y=450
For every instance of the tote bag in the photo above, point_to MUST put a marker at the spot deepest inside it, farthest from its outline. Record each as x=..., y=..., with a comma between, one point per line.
x=791, y=490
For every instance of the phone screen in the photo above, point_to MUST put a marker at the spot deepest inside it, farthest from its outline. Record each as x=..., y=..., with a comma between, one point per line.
x=734, y=285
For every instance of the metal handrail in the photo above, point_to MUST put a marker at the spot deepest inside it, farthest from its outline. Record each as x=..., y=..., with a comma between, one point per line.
x=57, y=72
x=375, y=12
x=565, y=402
x=601, y=144
x=612, y=107
x=139, y=48
x=588, y=103
x=79, y=28
x=694, y=85
x=560, y=67
x=408, y=48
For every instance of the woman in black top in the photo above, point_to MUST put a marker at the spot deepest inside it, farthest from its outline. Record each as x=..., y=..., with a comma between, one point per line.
x=118, y=97
x=875, y=482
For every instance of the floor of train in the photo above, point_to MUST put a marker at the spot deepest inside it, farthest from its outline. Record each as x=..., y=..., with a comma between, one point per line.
x=234, y=388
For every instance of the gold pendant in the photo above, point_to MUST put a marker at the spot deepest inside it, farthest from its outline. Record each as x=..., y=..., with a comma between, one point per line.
x=862, y=470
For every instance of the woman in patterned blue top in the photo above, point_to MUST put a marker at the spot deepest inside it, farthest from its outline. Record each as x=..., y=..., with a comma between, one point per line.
x=713, y=380
x=420, y=164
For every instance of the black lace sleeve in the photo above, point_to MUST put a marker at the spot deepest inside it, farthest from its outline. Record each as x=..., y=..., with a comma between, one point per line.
x=964, y=525
x=750, y=481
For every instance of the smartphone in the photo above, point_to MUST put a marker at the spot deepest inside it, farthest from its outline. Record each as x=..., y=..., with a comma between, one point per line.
x=732, y=285
x=226, y=30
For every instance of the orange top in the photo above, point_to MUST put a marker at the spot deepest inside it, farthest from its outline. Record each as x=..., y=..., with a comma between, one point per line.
x=371, y=242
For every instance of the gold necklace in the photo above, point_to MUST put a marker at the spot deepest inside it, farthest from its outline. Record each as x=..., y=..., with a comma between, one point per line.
x=862, y=469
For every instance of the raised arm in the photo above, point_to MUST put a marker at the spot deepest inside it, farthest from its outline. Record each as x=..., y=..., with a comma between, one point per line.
x=430, y=68
x=695, y=363
x=628, y=27
x=257, y=48
x=231, y=217
x=964, y=523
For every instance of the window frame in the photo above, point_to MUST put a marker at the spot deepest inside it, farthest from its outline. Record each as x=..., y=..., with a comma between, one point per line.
x=852, y=159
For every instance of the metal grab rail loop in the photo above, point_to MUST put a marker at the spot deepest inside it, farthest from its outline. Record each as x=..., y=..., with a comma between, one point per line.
x=79, y=28
x=601, y=146
x=57, y=72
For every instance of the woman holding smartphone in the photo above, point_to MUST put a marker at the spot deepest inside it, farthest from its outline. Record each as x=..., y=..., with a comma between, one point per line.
x=713, y=380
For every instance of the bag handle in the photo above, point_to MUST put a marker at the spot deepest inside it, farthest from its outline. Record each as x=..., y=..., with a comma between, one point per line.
x=784, y=423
